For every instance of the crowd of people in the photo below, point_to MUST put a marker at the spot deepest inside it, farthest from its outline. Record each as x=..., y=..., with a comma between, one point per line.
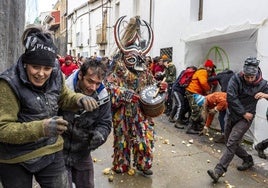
x=75, y=105
x=233, y=96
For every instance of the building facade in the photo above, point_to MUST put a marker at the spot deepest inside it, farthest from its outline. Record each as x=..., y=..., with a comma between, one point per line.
x=187, y=31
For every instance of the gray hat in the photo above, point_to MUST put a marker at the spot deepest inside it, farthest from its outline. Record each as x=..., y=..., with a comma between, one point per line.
x=251, y=66
x=250, y=70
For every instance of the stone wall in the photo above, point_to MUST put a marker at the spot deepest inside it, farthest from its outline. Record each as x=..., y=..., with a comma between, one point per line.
x=12, y=19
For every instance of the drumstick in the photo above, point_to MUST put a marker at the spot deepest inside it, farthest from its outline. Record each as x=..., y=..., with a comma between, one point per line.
x=158, y=89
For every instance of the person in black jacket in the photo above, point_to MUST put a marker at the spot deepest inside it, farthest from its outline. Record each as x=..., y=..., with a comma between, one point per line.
x=260, y=147
x=223, y=78
x=86, y=130
x=243, y=92
x=180, y=104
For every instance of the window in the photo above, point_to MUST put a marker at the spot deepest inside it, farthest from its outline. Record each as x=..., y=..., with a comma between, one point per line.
x=167, y=51
x=196, y=12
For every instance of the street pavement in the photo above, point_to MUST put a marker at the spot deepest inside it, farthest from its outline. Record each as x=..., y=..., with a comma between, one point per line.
x=180, y=160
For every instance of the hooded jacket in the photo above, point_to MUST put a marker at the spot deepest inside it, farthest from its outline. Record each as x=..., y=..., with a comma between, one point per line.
x=199, y=83
x=223, y=78
x=240, y=95
x=82, y=125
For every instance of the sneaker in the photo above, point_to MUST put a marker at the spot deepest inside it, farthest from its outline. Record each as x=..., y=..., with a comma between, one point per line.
x=192, y=131
x=147, y=172
x=214, y=175
x=183, y=122
x=178, y=126
x=221, y=139
x=171, y=120
x=247, y=164
x=260, y=152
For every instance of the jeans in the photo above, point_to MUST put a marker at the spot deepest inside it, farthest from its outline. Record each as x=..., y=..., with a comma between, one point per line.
x=234, y=133
x=54, y=175
x=82, y=173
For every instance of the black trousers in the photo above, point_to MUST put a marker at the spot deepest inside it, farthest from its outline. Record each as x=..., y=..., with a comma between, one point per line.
x=234, y=133
x=53, y=175
x=263, y=144
x=180, y=106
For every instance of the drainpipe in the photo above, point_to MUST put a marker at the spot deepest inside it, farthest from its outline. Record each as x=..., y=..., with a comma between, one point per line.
x=66, y=29
x=89, y=31
x=150, y=16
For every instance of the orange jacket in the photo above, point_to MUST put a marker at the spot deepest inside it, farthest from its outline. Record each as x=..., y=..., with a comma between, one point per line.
x=199, y=83
x=217, y=101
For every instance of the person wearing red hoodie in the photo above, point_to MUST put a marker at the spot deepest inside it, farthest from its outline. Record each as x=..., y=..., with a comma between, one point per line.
x=68, y=66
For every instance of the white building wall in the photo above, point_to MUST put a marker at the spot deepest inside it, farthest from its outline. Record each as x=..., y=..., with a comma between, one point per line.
x=239, y=27
x=95, y=23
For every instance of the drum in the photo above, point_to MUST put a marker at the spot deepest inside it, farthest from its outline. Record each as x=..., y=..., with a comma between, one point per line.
x=152, y=102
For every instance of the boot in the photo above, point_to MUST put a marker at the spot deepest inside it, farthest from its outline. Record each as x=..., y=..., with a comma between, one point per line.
x=190, y=130
x=198, y=126
x=171, y=120
x=148, y=172
x=178, y=125
x=247, y=163
x=214, y=175
x=260, y=151
x=221, y=139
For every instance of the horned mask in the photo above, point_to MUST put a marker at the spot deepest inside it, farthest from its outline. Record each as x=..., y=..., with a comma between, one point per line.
x=134, y=40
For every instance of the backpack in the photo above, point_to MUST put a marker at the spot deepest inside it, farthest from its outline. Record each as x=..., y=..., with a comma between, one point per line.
x=185, y=76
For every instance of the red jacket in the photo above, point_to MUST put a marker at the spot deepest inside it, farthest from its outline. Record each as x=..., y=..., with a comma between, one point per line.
x=68, y=69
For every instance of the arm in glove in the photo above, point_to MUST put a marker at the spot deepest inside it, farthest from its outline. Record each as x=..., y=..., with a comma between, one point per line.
x=54, y=126
x=130, y=96
x=88, y=103
x=96, y=140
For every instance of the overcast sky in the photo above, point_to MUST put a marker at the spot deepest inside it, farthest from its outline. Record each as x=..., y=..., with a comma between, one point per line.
x=45, y=5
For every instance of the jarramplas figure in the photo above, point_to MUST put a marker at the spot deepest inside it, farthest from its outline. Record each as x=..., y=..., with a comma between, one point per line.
x=132, y=131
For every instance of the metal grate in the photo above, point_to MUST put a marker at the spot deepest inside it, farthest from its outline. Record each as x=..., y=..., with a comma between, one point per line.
x=167, y=51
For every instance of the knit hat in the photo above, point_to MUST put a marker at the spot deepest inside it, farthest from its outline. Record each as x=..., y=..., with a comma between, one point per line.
x=164, y=57
x=251, y=66
x=199, y=99
x=209, y=63
x=68, y=58
x=39, y=50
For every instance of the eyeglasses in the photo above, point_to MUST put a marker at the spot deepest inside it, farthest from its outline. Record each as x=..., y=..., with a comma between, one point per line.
x=252, y=61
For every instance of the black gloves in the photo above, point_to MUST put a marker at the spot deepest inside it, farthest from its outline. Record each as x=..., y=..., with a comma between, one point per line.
x=54, y=126
x=88, y=103
x=96, y=140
